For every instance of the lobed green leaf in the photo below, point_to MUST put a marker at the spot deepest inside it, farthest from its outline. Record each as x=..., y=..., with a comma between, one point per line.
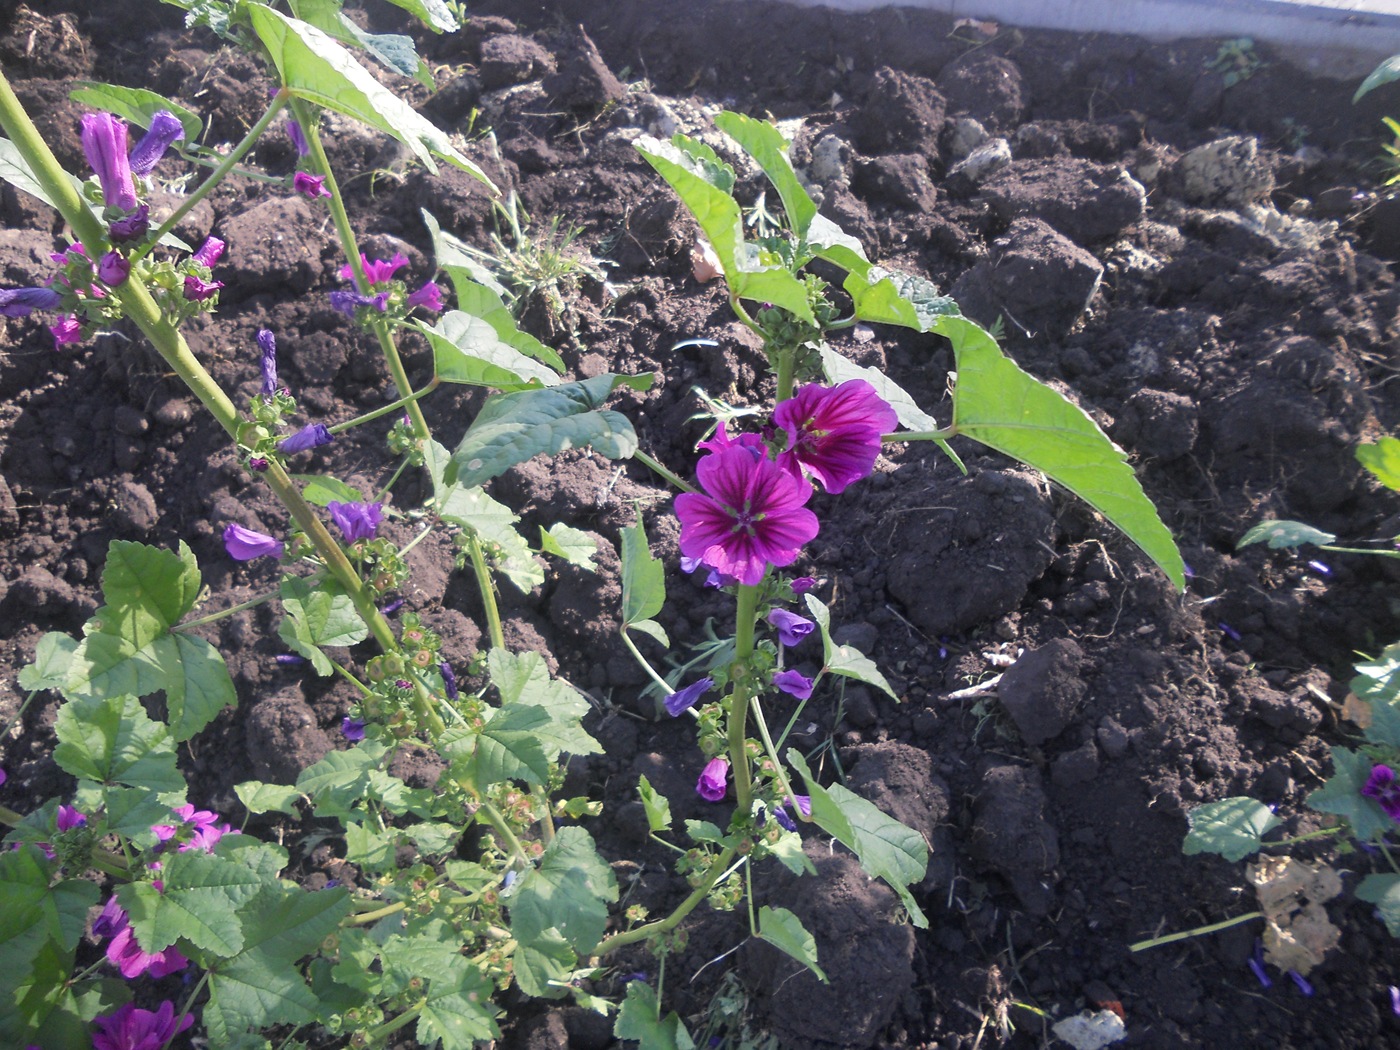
x=136, y=105
x=568, y=892
x=573, y=545
x=639, y=1018
x=1382, y=458
x=1233, y=827
x=469, y=350
x=114, y=741
x=1342, y=795
x=199, y=903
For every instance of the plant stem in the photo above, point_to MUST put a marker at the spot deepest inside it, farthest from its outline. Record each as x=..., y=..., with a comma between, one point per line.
x=642, y=661
x=184, y=1010
x=1197, y=932
x=783, y=781
x=488, y=592
x=1321, y=833
x=945, y=434
x=365, y=918
x=404, y=1019
x=745, y=616
x=251, y=603
x=787, y=362
x=18, y=714
x=664, y=471
x=492, y=815
x=385, y=409
x=218, y=175
x=651, y=929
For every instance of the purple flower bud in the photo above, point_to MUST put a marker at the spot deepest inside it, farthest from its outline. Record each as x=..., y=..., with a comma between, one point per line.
x=165, y=129
x=1301, y=982
x=113, y=268
x=267, y=343
x=389, y=608
x=313, y=435
x=449, y=680
x=784, y=820
x=803, y=584
x=21, y=302
x=66, y=330
x=312, y=186
x=353, y=728
x=298, y=138
x=403, y=683
x=346, y=302
x=258, y=464
x=105, y=145
x=210, y=252
x=356, y=521
x=712, y=783
x=1395, y=1000
x=684, y=699
x=245, y=544
x=429, y=297
x=131, y=228
x=290, y=659
x=69, y=818
x=794, y=683
x=198, y=290
x=791, y=627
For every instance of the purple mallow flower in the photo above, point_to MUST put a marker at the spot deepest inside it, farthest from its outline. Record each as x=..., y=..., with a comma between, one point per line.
x=794, y=683
x=353, y=729
x=21, y=302
x=66, y=330
x=312, y=186
x=113, y=268
x=791, y=627
x=429, y=297
x=1381, y=785
x=346, y=302
x=198, y=290
x=205, y=833
x=165, y=129
x=802, y=585
x=210, y=252
x=751, y=515
x=69, y=818
x=313, y=435
x=683, y=700
x=298, y=138
x=449, y=680
x=356, y=521
x=804, y=806
x=131, y=1028
x=126, y=954
x=712, y=783
x=245, y=544
x=267, y=343
x=377, y=271
x=105, y=146
x=131, y=228
x=834, y=432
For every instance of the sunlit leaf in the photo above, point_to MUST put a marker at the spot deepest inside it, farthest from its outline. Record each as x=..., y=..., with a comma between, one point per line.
x=1233, y=827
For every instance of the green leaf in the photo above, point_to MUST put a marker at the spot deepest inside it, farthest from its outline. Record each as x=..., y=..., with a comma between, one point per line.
x=643, y=577
x=321, y=489
x=1383, y=74
x=1233, y=827
x=845, y=660
x=258, y=797
x=199, y=903
x=1382, y=459
x=1001, y=406
x=1279, y=534
x=340, y=779
x=784, y=930
x=639, y=1019
x=569, y=892
x=1342, y=795
x=523, y=681
x=458, y=1011
x=433, y=838
x=788, y=850
x=767, y=146
x=911, y=416
x=129, y=812
x=1384, y=892
x=893, y=297
x=52, y=658
x=514, y=427
x=14, y=169
x=543, y=967
x=37, y=909
x=467, y=349
x=47, y=1011
x=318, y=69
x=652, y=629
x=692, y=169
x=657, y=807
x=885, y=848
x=318, y=616
x=1385, y=725
x=573, y=545
x=494, y=524
x=434, y=14
x=1378, y=680
x=130, y=647
x=136, y=105
x=703, y=831
x=115, y=742
x=463, y=269
x=507, y=749
x=369, y=848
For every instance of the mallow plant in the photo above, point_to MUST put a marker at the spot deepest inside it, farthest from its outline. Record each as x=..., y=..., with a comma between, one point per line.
x=131, y=916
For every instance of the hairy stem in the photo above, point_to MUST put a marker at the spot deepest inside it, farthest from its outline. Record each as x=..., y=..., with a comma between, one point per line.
x=666, y=925
x=488, y=592
x=745, y=616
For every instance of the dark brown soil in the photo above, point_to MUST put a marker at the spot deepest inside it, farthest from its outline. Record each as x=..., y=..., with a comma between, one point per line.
x=1238, y=362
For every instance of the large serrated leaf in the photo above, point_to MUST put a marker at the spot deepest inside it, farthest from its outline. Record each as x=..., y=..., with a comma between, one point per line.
x=543, y=967
x=892, y=297
x=639, y=1018
x=318, y=69
x=784, y=931
x=494, y=523
x=1233, y=827
x=1004, y=408
x=643, y=577
x=458, y=1010
x=766, y=145
x=885, y=848
x=523, y=681
x=114, y=741
x=198, y=902
x=317, y=616
x=469, y=350
x=570, y=892
x=512, y=428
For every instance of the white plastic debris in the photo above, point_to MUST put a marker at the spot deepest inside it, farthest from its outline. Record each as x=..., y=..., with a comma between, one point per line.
x=1090, y=1030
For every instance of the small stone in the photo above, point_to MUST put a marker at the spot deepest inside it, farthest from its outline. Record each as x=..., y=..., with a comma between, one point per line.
x=1228, y=171
x=1113, y=738
x=176, y=412
x=1043, y=690
x=130, y=421
x=133, y=508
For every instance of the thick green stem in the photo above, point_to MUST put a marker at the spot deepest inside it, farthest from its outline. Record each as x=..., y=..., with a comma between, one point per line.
x=492, y=816
x=642, y=661
x=404, y=1019
x=220, y=173
x=921, y=435
x=739, y=701
x=367, y=917
x=488, y=592
x=666, y=925
x=787, y=364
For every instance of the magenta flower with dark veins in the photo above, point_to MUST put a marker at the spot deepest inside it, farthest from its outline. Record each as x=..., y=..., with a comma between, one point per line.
x=210, y=252
x=377, y=271
x=834, y=432
x=722, y=440
x=105, y=145
x=313, y=435
x=791, y=627
x=165, y=129
x=794, y=683
x=198, y=290
x=113, y=268
x=356, y=521
x=713, y=780
x=66, y=330
x=751, y=515
x=131, y=228
x=21, y=302
x=245, y=544
x=429, y=297
x=312, y=186
x=131, y=1028
x=683, y=700
x=1381, y=785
